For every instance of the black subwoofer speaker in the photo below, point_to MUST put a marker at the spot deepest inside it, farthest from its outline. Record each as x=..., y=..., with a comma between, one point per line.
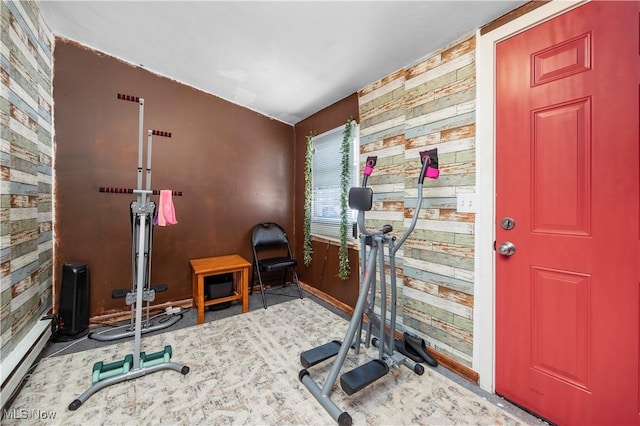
x=73, y=311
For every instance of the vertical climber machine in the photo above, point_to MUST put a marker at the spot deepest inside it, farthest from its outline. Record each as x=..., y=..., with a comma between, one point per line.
x=141, y=206
x=142, y=210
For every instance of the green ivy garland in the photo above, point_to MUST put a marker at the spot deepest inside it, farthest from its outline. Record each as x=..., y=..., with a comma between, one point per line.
x=344, y=270
x=308, y=162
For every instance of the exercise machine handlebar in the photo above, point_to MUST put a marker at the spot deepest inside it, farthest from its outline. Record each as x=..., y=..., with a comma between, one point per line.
x=425, y=159
x=130, y=98
x=160, y=133
x=132, y=191
x=368, y=170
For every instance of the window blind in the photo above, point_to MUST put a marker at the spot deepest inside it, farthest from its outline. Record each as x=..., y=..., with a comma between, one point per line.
x=326, y=170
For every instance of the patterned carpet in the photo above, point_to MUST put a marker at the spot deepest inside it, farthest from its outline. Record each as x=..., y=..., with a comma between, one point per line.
x=244, y=371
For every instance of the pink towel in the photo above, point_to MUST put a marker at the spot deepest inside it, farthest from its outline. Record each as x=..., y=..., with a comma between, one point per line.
x=166, y=214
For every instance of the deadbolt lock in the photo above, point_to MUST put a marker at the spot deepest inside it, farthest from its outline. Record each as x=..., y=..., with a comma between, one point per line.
x=507, y=223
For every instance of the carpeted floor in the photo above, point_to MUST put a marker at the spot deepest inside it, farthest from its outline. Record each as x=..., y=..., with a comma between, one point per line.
x=244, y=370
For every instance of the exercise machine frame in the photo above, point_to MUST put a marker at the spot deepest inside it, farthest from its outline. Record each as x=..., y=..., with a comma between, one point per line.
x=361, y=198
x=142, y=210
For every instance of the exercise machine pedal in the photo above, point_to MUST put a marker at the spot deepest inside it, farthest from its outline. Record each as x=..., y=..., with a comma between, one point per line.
x=155, y=358
x=363, y=375
x=159, y=288
x=414, y=348
x=321, y=353
x=400, y=347
x=119, y=293
x=103, y=371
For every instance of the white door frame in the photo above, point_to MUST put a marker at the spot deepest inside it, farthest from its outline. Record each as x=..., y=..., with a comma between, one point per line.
x=484, y=264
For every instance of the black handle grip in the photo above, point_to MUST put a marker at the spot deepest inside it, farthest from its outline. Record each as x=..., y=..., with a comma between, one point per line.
x=161, y=133
x=130, y=98
x=116, y=190
x=425, y=159
x=130, y=191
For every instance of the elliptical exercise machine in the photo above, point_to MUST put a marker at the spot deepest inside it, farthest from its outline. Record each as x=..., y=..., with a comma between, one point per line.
x=139, y=363
x=361, y=199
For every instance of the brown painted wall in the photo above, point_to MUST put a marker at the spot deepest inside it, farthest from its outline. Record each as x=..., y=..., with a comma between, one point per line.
x=234, y=166
x=323, y=271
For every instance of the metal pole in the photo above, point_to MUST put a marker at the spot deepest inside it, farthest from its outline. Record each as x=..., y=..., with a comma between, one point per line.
x=383, y=298
x=140, y=135
x=139, y=289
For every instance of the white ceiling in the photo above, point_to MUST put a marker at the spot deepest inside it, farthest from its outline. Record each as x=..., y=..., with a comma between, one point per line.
x=287, y=59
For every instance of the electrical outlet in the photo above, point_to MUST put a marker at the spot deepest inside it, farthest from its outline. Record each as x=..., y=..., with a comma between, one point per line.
x=466, y=203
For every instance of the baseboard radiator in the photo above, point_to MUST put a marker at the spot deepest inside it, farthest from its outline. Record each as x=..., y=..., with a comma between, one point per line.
x=16, y=365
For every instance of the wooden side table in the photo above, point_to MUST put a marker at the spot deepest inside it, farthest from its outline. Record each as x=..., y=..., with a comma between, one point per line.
x=218, y=265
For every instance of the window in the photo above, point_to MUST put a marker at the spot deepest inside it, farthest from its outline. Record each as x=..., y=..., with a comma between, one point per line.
x=326, y=171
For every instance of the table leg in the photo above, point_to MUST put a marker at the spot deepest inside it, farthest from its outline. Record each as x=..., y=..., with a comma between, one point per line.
x=200, y=298
x=194, y=290
x=245, y=289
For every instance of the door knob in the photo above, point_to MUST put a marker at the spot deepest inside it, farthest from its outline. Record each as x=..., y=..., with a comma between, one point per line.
x=507, y=248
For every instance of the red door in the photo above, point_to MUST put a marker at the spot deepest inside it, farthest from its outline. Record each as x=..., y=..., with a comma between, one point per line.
x=567, y=196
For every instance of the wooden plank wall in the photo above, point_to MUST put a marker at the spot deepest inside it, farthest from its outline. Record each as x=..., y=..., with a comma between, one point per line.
x=428, y=104
x=26, y=252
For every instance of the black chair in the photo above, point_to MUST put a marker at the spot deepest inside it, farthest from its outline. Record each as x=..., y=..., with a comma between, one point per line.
x=271, y=252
